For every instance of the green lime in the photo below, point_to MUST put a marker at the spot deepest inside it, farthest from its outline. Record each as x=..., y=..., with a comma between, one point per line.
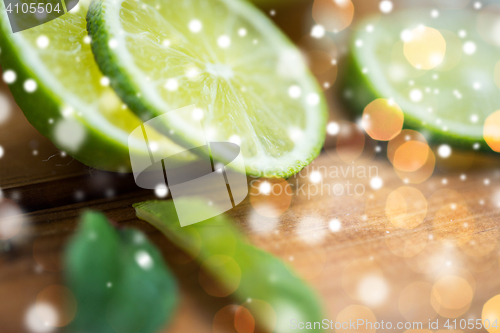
x=248, y=82
x=436, y=65
x=51, y=72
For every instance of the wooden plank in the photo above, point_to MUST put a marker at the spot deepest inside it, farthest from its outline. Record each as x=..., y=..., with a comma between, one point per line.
x=33, y=169
x=325, y=261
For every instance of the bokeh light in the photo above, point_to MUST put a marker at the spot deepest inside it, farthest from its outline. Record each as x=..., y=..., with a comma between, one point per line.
x=491, y=314
x=321, y=54
x=363, y=8
x=11, y=219
x=488, y=24
x=452, y=292
x=401, y=70
x=373, y=290
x=41, y=318
x=382, y=119
x=491, y=131
x=243, y=320
x=63, y=302
x=319, y=61
x=386, y=6
x=406, y=207
x=353, y=313
x=264, y=314
x=271, y=203
x=233, y=319
x=426, y=48
x=453, y=53
x=225, y=266
x=415, y=302
x=451, y=296
x=411, y=156
x=333, y=15
x=356, y=273
x=350, y=141
x=403, y=137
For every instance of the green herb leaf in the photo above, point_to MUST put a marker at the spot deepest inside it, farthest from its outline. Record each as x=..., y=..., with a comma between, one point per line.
x=118, y=278
x=252, y=274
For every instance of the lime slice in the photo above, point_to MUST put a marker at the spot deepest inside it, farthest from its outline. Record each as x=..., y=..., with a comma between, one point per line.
x=54, y=79
x=249, y=83
x=435, y=66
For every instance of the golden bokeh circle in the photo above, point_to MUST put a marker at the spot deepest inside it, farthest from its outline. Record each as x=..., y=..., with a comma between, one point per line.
x=382, y=119
x=321, y=54
x=491, y=313
x=452, y=292
x=411, y=156
x=453, y=51
x=350, y=141
x=354, y=273
x=233, y=319
x=63, y=301
x=264, y=314
x=406, y=207
x=415, y=302
x=353, y=313
x=333, y=15
x=404, y=136
x=426, y=48
x=491, y=131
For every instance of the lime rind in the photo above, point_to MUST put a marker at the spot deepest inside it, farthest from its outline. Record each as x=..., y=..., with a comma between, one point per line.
x=103, y=144
x=108, y=44
x=367, y=80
